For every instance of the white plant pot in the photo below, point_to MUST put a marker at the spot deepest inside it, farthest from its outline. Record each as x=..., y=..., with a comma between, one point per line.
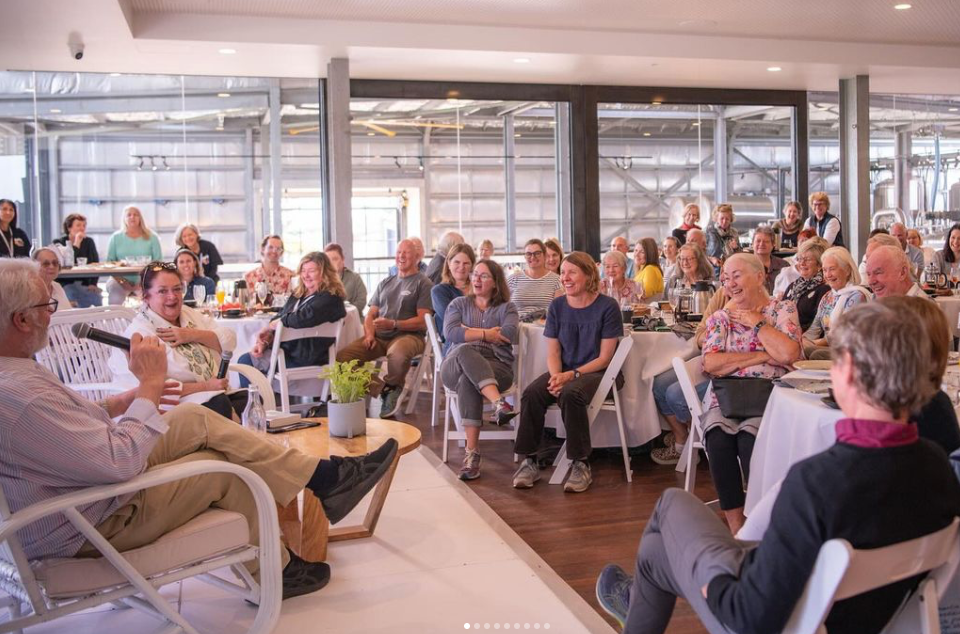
x=347, y=420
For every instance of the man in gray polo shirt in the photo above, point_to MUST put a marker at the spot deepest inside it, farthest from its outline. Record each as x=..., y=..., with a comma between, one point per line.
x=394, y=326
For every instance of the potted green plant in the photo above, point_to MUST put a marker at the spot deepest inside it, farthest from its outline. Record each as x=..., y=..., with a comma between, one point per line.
x=346, y=411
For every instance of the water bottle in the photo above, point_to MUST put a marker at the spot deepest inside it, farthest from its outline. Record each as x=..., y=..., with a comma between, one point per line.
x=254, y=415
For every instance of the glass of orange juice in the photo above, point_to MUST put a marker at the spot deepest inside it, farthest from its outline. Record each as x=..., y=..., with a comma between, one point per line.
x=221, y=294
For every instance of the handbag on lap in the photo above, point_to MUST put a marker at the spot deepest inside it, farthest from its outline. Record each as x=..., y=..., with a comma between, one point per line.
x=742, y=397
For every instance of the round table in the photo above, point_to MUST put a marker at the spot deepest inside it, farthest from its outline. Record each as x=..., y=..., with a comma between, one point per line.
x=309, y=533
x=951, y=308
x=652, y=354
x=248, y=327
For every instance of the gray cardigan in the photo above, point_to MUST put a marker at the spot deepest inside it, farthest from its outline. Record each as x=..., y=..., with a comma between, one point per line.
x=463, y=313
x=355, y=288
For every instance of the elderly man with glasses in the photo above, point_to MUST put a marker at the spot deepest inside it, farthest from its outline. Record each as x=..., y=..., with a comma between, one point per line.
x=57, y=442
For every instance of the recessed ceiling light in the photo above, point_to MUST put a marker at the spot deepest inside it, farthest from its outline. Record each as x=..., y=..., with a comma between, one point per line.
x=28, y=90
x=656, y=103
x=774, y=69
x=646, y=134
x=55, y=111
x=223, y=94
x=371, y=133
x=115, y=74
x=952, y=109
x=695, y=124
x=517, y=135
x=228, y=51
x=521, y=60
x=903, y=6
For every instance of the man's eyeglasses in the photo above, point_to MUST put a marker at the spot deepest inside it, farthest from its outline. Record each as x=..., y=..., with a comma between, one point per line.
x=533, y=254
x=51, y=306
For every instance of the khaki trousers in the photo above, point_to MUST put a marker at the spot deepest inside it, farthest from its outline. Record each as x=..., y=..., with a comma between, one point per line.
x=399, y=352
x=197, y=433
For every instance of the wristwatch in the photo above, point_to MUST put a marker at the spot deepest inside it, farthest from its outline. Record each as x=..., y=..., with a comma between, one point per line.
x=576, y=374
x=758, y=327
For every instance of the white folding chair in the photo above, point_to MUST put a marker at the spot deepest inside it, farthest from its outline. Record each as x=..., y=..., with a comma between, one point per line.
x=602, y=402
x=259, y=381
x=81, y=363
x=308, y=377
x=841, y=572
x=45, y=590
x=689, y=375
x=436, y=348
x=426, y=367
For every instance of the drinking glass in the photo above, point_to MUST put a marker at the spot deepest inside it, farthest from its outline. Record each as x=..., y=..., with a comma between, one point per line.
x=199, y=294
x=262, y=292
x=81, y=261
x=221, y=294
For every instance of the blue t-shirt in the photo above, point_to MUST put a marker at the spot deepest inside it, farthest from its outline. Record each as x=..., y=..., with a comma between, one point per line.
x=580, y=330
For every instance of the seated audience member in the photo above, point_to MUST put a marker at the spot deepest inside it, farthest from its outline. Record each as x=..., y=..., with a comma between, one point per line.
x=193, y=341
x=353, y=286
x=915, y=239
x=697, y=237
x=668, y=260
x=553, y=255
x=276, y=276
x=92, y=450
x=947, y=259
x=582, y=331
x=888, y=272
x=188, y=237
x=191, y=273
x=619, y=243
x=419, y=251
x=692, y=267
x=790, y=225
x=752, y=336
x=841, y=275
x=763, y=239
x=480, y=330
x=14, y=241
x=826, y=224
x=83, y=293
x=807, y=290
x=534, y=287
x=135, y=240
x=899, y=231
x=722, y=239
x=49, y=262
x=394, y=327
x=936, y=420
x=648, y=276
x=454, y=282
x=435, y=268
x=484, y=250
x=691, y=216
x=791, y=274
x=317, y=299
x=616, y=284
x=878, y=238
x=879, y=485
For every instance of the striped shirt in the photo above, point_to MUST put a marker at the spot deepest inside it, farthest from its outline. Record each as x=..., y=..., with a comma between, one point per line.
x=529, y=294
x=53, y=442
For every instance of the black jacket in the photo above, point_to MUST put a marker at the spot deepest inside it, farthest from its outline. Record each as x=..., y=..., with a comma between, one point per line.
x=87, y=249
x=313, y=310
x=20, y=242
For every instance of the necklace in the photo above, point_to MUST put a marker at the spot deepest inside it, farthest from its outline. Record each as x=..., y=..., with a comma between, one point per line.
x=7, y=242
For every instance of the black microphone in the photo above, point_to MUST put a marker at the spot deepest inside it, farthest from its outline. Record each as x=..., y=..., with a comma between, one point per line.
x=85, y=331
x=225, y=357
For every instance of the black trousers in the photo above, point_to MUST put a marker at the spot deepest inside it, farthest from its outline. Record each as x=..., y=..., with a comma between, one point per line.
x=728, y=454
x=573, y=401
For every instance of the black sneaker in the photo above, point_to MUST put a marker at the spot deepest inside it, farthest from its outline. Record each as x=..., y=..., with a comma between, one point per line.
x=303, y=577
x=357, y=476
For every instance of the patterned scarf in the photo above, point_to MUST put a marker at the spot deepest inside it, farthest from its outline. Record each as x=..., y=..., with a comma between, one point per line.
x=201, y=360
x=802, y=286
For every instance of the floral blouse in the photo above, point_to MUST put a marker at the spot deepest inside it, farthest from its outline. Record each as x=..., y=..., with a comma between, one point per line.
x=821, y=323
x=278, y=281
x=725, y=335
x=630, y=292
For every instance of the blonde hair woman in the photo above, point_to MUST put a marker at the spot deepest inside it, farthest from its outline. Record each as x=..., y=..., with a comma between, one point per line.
x=135, y=240
x=822, y=221
x=484, y=250
x=317, y=299
x=841, y=275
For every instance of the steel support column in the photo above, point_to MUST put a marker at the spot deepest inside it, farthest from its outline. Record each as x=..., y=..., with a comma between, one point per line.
x=902, y=172
x=561, y=139
x=585, y=220
x=276, y=160
x=855, y=162
x=510, y=181
x=720, y=157
x=248, y=191
x=340, y=190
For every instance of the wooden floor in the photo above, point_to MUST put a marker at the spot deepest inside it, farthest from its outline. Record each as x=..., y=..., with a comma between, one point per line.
x=576, y=534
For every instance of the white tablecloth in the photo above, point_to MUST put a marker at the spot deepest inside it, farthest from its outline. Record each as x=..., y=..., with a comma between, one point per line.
x=652, y=353
x=951, y=307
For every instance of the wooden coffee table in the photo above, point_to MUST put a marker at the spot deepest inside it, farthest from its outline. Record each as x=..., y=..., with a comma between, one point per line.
x=308, y=533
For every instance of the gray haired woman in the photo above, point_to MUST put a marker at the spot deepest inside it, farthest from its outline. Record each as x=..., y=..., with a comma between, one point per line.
x=692, y=267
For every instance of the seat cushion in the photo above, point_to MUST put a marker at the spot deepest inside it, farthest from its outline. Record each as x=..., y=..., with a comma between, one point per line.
x=209, y=534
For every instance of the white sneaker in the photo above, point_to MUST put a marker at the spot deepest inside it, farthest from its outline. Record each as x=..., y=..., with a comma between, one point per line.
x=527, y=474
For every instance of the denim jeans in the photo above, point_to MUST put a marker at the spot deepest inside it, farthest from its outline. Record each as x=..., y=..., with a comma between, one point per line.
x=669, y=397
x=83, y=296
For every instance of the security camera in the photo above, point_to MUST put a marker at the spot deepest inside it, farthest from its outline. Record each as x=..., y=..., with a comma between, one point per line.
x=75, y=44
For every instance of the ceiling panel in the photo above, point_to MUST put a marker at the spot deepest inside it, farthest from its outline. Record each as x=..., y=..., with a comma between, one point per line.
x=876, y=21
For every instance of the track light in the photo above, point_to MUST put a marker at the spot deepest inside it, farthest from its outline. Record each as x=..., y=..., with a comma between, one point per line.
x=140, y=165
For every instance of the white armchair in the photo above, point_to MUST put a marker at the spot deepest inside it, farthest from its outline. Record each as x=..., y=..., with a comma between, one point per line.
x=44, y=590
